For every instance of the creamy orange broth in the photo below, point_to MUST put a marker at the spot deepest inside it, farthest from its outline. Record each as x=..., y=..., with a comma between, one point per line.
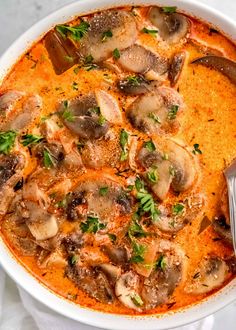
x=208, y=119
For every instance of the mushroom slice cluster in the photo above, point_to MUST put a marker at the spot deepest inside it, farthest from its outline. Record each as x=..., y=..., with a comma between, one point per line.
x=108, y=30
x=8, y=100
x=134, y=85
x=138, y=59
x=11, y=167
x=172, y=27
x=101, y=196
x=210, y=275
x=176, y=67
x=168, y=274
x=156, y=112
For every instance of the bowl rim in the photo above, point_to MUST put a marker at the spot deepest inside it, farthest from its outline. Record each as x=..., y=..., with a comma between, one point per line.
x=21, y=275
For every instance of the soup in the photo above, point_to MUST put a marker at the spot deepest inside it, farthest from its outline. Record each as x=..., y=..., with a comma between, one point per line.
x=115, y=132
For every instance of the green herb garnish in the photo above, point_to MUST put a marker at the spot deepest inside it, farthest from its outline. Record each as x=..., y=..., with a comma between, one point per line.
x=134, y=80
x=154, y=117
x=173, y=112
x=137, y=300
x=74, y=86
x=151, y=32
x=147, y=205
x=161, y=263
x=124, y=136
x=136, y=230
x=196, y=149
x=75, y=32
x=107, y=34
x=153, y=175
x=112, y=237
x=92, y=225
x=73, y=259
x=172, y=170
x=169, y=10
x=7, y=141
x=69, y=59
x=177, y=209
x=150, y=146
x=101, y=120
x=116, y=53
x=103, y=191
x=138, y=252
x=67, y=115
x=47, y=159
x=30, y=139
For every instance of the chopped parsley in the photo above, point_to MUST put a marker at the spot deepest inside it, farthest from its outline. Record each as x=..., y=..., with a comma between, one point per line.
x=138, y=252
x=161, y=263
x=196, y=149
x=76, y=70
x=30, y=139
x=75, y=32
x=69, y=59
x=137, y=300
x=150, y=146
x=73, y=259
x=154, y=117
x=136, y=230
x=92, y=225
x=177, y=209
x=151, y=32
x=147, y=205
x=134, y=80
x=124, y=136
x=112, y=237
x=153, y=175
x=169, y=10
x=165, y=156
x=139, y=184
x=103, y=191
x=7, y=141
x=47, y=159
x=173, y=112
x=88, y=59
x=106, y=35
x=101, y=120
x=67, y=114
x=116, y=53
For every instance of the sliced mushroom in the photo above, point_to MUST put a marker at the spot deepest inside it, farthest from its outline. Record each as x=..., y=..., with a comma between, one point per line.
x=150, y=255
x=222, y=64
x=169, y=272
x=108, y=30
x=211, y=274
x=176, y=67
x=117, y=254
x=41, y=224
x=92, y=281
x=222, y=228
x=109, y=107
x=126, y=289
x=30, y=111
x=62, y=51
x=184, y=174
x=84, y=117
x=171, y=27
x=154, y=161
x=8, y=100
x=138, y=59
x=112, y=272
x=11, y=167
x=156, y=112
x=134, y=85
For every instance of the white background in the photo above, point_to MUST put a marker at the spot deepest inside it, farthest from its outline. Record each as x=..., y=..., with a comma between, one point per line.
x=15, y=17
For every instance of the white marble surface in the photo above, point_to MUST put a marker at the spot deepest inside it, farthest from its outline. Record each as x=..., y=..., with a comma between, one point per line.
x=15, y=17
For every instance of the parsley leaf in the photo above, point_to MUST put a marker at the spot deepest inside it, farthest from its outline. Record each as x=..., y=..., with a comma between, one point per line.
x=112, y=237
x=138, y=252
x=173, y=112
x=196, y=149
x=107, y=34
x=153, y=175
x=92, y=225
x=103, y=191
x=139, y=184
x=147, y=205
x=101, y=120
x=161, y=263
x=47, y=159
x=151, y=32
x=136, y=230
x=177, y=209
x=116, y=53
x=75, y=32
x=124, y=136
x=137, y=300
x=150, y=146
x=73, y=259
x=29, y=139
x=154, y=117
x=134, y=80
x=67, y=115
x=7, y=141
x=169, y=10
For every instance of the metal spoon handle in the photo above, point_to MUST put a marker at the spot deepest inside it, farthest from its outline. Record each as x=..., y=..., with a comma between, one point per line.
x=231, y=183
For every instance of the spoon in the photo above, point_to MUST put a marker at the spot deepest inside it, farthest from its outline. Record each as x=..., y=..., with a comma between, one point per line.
x=230, y=175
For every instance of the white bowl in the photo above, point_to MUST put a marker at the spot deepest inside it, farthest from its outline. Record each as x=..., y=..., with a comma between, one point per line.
x=19, y=273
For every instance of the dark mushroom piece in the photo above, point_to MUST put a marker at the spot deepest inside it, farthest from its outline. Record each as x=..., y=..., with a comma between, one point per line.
x=108, y=30
x=171, y=27
x=8, y=99
x=222, y=228
x=82, y=116
x=117, y=254
x=138, y=59
x=93, y=281
x=156, y=112
x=11, y=167
x=222, y=64
x=134, y=85
x=176, y=67
x=62, y=51
x=212, y=273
